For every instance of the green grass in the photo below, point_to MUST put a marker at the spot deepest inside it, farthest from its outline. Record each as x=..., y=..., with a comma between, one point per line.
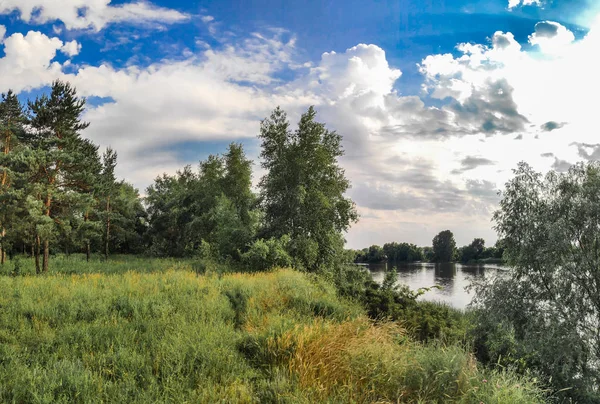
x=153, y=331
x=116, y=264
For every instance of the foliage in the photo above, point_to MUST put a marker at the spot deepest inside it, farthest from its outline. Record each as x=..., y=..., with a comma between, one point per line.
x=477, y=252
x=424, y=321
x=392, y=252
x=443, y=247
x=302, y=193
x=545, y=314
x=215, y=205
x=267, y=254
x=402, y=252
x=56, y=190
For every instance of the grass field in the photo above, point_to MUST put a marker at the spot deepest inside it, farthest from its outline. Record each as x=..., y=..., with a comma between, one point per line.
x=137, y=330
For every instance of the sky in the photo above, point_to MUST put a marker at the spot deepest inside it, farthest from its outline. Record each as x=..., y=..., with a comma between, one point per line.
x=437, y=101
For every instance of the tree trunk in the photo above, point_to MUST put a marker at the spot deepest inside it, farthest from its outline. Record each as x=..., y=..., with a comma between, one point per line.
x=4, y=182
x=46, y=256
x=87, y=242
x=107, y=227
x=6, y=151
x=37, y=255
x=2, y=252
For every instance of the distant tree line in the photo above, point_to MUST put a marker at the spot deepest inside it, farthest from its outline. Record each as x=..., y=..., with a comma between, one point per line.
x=443, y=249
x=58, y=193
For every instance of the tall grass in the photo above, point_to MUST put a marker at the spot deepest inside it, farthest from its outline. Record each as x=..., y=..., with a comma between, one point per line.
x=167, y=335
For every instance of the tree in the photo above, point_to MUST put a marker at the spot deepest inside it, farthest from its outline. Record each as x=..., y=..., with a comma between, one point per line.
x=302, y=193
x=63, y=156
x=214, y=206
x=473, y=251
x=237, y=181
x=12, y=121
x=174, y=204
x=428, y=253
x=402, y=252
x=444, y=246
x=545, y=313
x=376, y=254
x=107, y=187
x=129, y=222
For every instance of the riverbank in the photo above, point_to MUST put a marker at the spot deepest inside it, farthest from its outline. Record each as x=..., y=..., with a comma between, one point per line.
x=168, y=335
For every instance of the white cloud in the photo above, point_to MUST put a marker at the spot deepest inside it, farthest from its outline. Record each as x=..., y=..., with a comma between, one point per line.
x=2, y=33
x=515, y=3
x=71, y=48
x=416, y=168
x=361, y=71
x=90, y=14
x=253, y=60
x=552, y=37
x=28, y=61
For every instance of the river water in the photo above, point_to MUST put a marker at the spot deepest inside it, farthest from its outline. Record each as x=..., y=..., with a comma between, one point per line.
x=452, y=278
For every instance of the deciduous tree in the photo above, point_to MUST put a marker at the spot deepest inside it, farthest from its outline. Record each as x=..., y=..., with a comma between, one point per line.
x=303, y=191
x=444, y=246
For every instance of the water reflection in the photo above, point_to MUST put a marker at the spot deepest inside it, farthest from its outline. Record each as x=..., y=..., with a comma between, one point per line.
x=453, y=279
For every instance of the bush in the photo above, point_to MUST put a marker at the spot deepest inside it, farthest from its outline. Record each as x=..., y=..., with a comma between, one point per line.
x=267, y=254
x=424, y=321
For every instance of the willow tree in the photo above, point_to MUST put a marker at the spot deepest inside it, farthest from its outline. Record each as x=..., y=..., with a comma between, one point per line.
x=64, y=157
x=303, y=191
x=545, y=312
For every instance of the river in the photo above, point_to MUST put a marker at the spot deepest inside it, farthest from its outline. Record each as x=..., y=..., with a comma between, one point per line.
x=452, y=278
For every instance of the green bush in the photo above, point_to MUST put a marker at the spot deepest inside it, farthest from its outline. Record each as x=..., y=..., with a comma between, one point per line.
x=266, y=254
x=425, y=321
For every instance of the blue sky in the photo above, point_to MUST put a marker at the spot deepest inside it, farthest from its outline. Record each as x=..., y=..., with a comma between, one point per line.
x=437, y=100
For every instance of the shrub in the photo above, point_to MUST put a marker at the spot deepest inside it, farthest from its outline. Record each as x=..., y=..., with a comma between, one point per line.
x=424, y=321
x=266, y=254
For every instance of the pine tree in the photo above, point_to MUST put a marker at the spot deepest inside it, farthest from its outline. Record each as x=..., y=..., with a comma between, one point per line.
x=12, y=120
x=64, y=157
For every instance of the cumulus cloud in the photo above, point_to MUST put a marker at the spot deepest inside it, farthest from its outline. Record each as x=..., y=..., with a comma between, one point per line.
x=2, y=33
x=481, y=100
x=197, y=99
x=90, y=14
x=410, y=162
x=551, y=37
x=71, y=48
x=27, y=62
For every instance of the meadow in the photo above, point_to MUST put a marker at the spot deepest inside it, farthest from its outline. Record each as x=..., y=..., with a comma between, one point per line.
x=146, y=330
